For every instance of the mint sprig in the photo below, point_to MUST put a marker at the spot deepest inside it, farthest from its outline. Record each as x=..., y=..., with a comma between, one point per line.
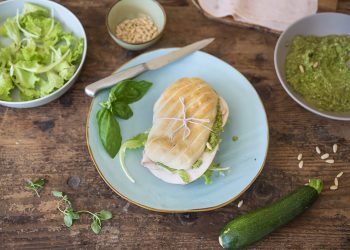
x=35, y=185
x=70, y=215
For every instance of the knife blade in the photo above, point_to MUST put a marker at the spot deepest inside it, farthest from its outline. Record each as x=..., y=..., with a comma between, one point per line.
x=154, y=64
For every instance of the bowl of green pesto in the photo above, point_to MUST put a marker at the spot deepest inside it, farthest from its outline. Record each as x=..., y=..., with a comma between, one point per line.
x=312, y=62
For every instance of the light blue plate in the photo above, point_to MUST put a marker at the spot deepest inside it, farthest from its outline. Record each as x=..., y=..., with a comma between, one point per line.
x=246, y=156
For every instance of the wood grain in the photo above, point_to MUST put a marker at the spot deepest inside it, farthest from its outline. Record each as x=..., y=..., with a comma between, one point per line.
x=327, y=5
x=49, y=142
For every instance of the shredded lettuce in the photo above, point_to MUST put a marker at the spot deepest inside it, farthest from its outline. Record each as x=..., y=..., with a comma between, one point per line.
x=42, y=56
x=214, y=167
x=181, y=172
x=136, y=142
x=5, y=86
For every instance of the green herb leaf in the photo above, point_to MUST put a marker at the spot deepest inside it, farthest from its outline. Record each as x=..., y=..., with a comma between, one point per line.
x=68, y=220
x=129, y=91
x=207, y=177
x=121, y=110
x=74, y=215
x=214, y=167
x=104, y=215
x=57, y=194
x=109, y=132
x=95, y=226
x=184, y=175
x=35, y=185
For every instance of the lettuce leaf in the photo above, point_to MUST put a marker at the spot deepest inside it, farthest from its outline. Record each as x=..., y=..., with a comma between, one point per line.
x=135, y=142
x=214, y=167
x=30, y=8
x=6, y=86
x=54, y=81
x=65, y=70
x=10, y=29
x=5, y=56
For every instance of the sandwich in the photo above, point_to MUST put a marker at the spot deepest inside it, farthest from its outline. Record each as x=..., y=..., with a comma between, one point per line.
x=185, y=136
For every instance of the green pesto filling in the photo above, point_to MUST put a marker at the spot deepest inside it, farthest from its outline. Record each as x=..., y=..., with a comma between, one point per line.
x=197, y=164
x=214, y=136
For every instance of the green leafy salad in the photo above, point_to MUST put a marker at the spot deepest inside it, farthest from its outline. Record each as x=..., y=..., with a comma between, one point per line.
x=41, y=57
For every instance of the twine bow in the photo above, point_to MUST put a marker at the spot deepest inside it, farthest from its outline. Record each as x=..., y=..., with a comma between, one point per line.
x=185, y=120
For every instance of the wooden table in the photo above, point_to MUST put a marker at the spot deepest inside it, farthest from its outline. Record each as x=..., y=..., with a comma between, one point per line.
x=49, y=142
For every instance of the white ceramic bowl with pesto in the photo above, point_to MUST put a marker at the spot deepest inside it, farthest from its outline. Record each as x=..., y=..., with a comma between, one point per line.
x=69, y=22
x=321, y=24
x=129, y=9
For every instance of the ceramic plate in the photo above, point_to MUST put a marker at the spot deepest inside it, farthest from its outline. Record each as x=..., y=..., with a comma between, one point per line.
x=245, y=157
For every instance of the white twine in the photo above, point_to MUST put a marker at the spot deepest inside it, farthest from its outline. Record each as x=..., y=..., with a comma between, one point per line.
x=185, y=120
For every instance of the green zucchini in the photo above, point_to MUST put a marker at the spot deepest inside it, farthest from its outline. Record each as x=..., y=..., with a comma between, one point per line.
x=251, y=227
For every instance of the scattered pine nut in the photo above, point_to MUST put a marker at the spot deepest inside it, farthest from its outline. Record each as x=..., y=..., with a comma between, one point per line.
x=301, y=68
x=240, y=203
x=333, y=188
x=330, y=161
x=315, y=64
x=336, y=182
x=340, y=174
x=318, y=151
x=300, y=156
x=335, y=148
x=324, y=156
x=301, y=164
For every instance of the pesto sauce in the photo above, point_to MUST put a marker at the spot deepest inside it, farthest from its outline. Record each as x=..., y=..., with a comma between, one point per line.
x=214, y=136
x=197, y=164
x=316, y=68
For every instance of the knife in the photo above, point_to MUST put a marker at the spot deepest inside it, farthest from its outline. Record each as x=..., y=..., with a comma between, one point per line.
x=154, y=64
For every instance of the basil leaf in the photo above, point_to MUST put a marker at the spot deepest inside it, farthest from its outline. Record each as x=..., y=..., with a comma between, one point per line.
x=95, y=227
x=122, y=110
x=129, y=91
x=109, y=132
x=104, y=215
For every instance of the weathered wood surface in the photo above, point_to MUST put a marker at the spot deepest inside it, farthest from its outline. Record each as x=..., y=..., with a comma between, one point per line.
x=49, y=142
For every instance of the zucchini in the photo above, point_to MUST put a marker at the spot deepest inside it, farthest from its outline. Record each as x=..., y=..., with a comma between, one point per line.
x=251, y=227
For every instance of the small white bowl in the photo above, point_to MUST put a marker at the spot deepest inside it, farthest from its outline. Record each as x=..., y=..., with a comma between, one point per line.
x=69, y=22
x=128, y=9
x=321, y=24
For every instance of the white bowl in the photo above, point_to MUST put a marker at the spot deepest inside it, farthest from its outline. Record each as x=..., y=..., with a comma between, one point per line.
x=69, y=22
x=321, y=24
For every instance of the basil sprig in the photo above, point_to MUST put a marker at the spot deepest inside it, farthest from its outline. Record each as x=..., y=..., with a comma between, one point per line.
x=117, y=105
